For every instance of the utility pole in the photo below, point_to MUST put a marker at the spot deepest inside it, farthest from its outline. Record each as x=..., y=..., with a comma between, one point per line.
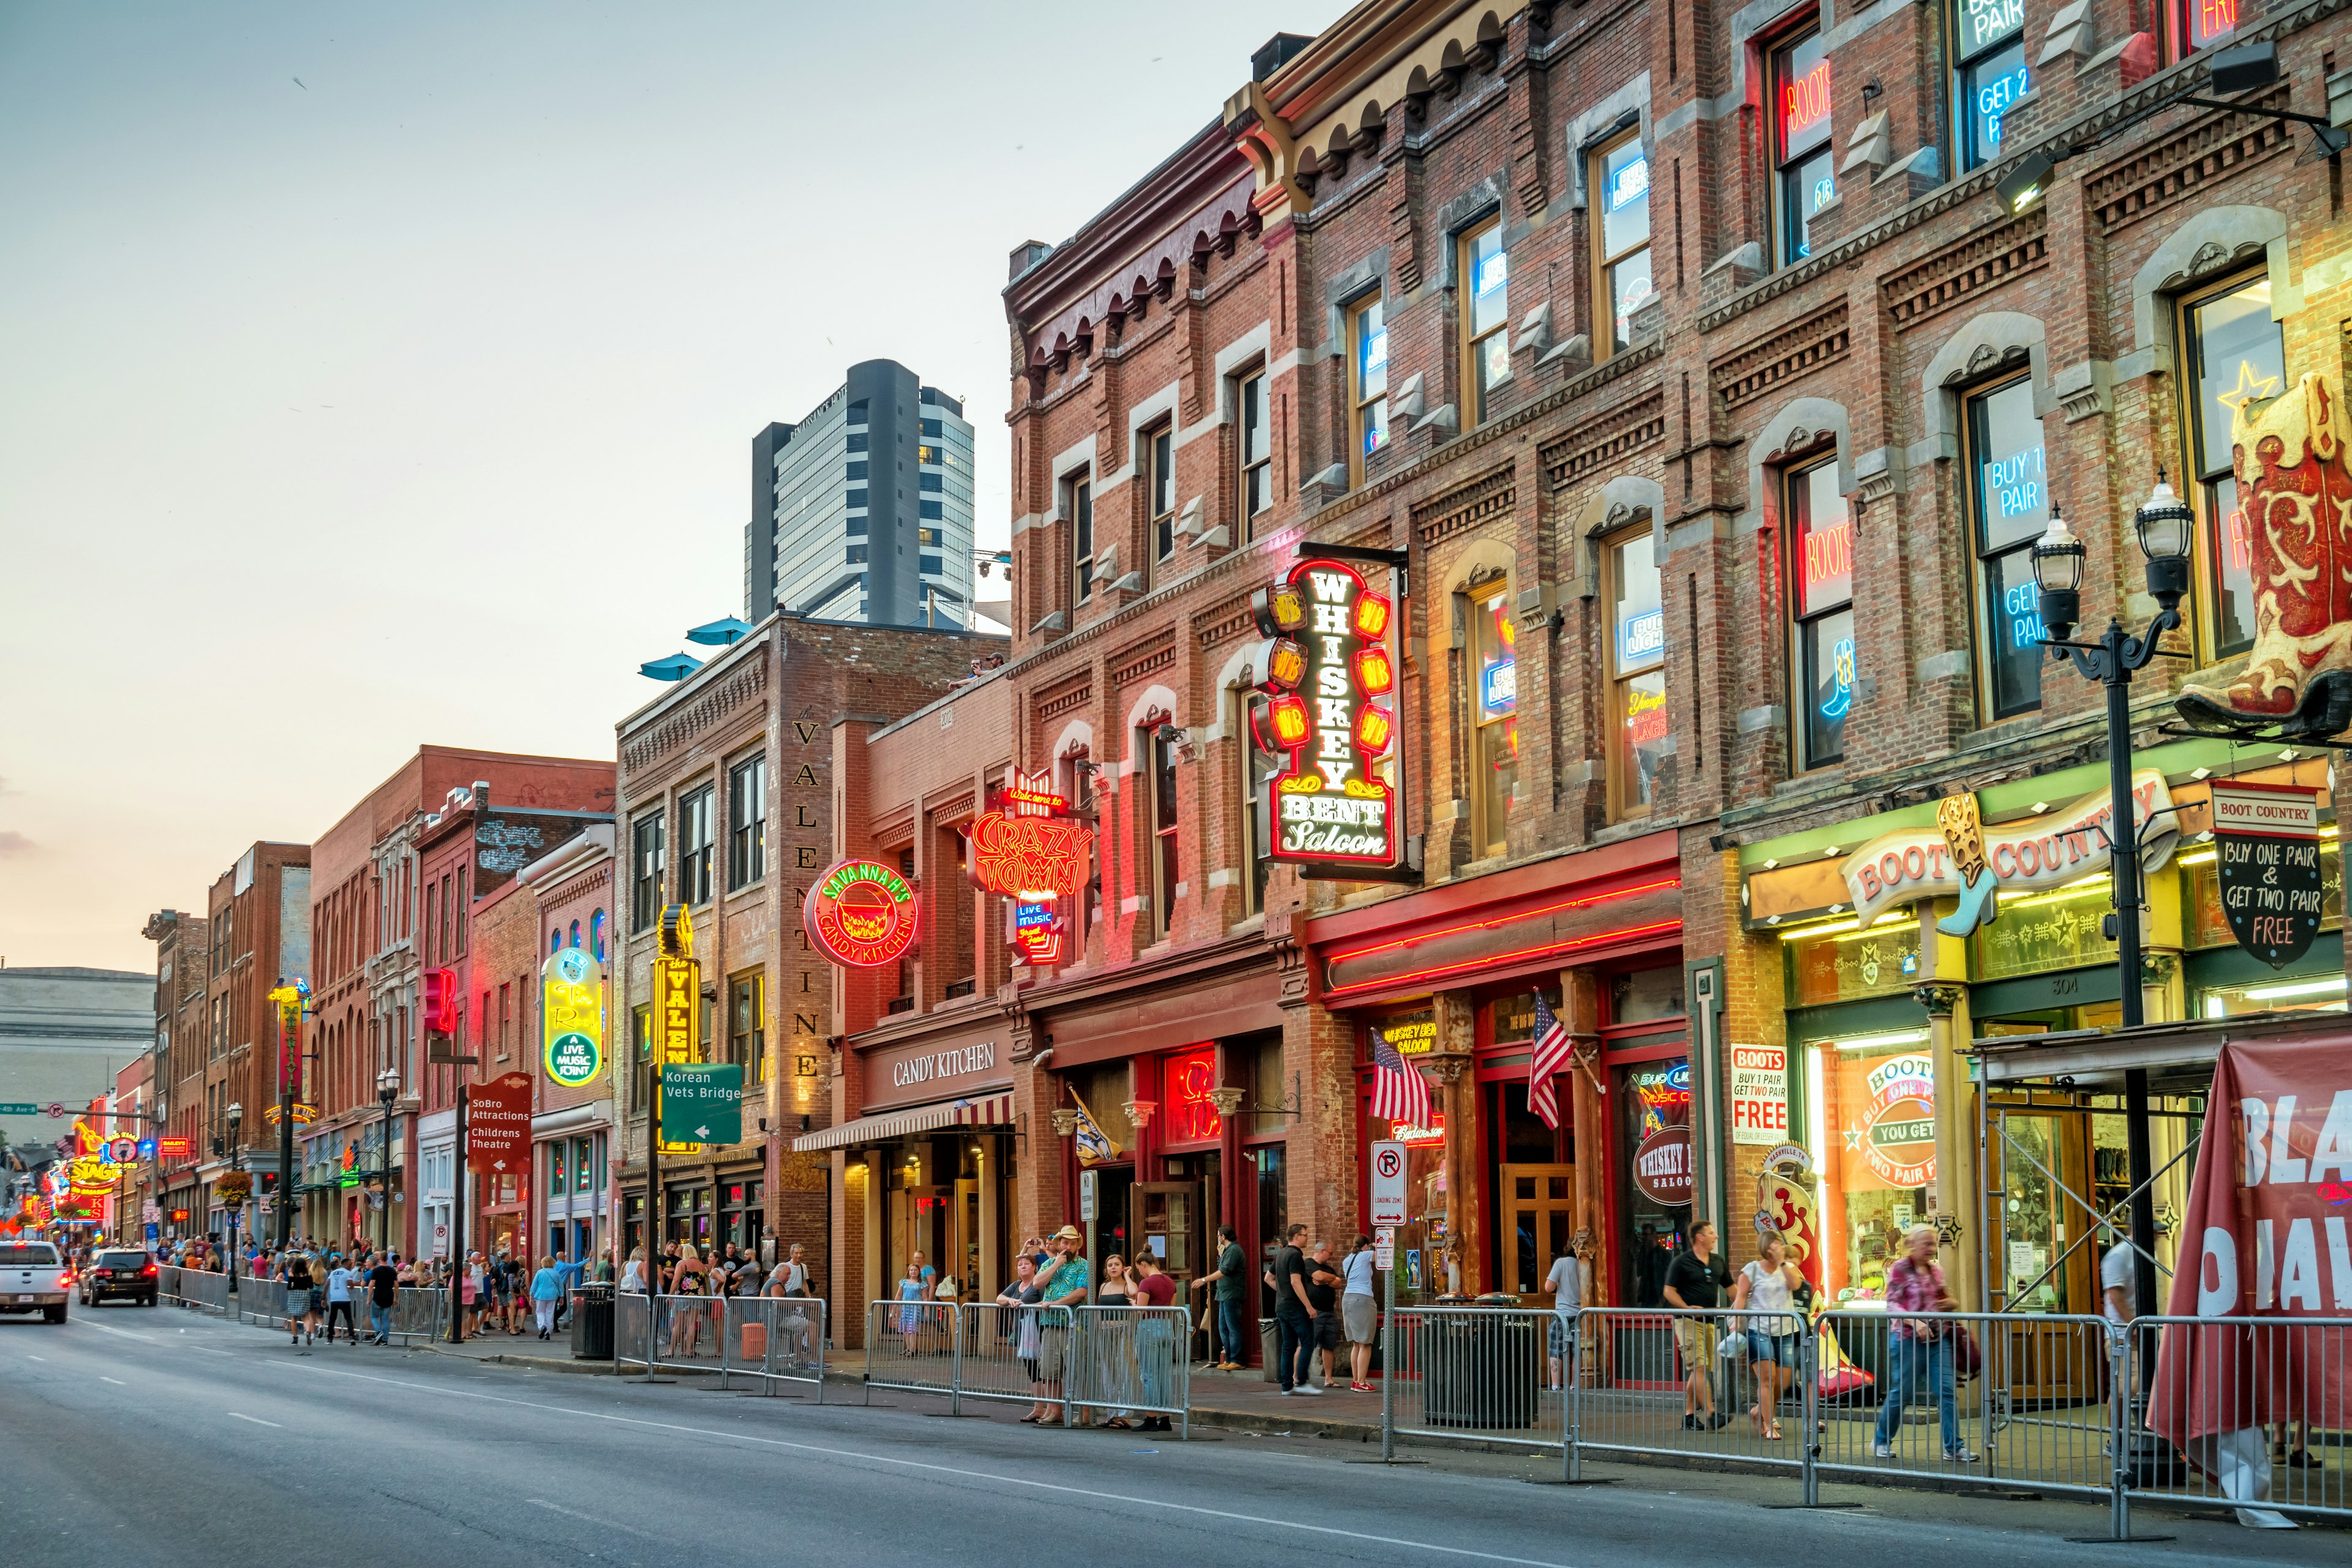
x=440, y=1018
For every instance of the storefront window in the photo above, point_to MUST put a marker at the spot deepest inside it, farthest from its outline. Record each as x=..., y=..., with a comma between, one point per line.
x=1820, y=557
x=1258, y=768
x=556, y=1175
x=1486, y=318
x=2063, y=928
x=1871, y=1126
x=1807, y=164
x=1653, y=1140
x=1493, y=704
x=1269, y=1087
x=2232, y=349
x=1637, y=652
x=1844, y=965
x=2009, y=494
x=1643, y=996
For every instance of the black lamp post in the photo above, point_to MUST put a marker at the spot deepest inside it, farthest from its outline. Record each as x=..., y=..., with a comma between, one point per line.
x=235, y=1162
x=387, y=1090
x=2165, y=526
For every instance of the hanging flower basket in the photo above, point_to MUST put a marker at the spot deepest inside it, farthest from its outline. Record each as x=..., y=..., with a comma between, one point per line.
x=233, y=1188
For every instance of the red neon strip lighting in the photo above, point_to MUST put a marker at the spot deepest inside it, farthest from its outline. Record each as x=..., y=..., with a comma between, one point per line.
x=1472, y=966
x=1588, y=901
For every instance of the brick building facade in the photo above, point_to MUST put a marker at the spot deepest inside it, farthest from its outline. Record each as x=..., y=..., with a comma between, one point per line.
x=1690, y=351
x=571, y=1129
x=257, y=924
x=183, y=950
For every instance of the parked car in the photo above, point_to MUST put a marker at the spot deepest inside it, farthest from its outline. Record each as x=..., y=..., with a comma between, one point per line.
x=116, y=1274
x=33, y=1278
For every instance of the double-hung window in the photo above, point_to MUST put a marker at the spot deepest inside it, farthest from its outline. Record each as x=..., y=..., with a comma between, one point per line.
x=747, y=1027
x=1368, y=385
x=1161, y=747
x=1256, y=448
x=2008, y=498
x=646, y=855
x=1259, y=766
x=1637, y=671
x=1821, y=562
x=695, y=847
x=1159, y=490
x=2232, y=349
x=1619, y=184
x=1080, y=497
x=747, y=822
x=1495, y=719
x=1989, y=45
x=1485, y=274
x=1805, y=177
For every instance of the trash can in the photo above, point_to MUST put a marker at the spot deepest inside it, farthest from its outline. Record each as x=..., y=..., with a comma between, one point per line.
x=1269, y=1349
x=592, y=1322
x=1481, y=1369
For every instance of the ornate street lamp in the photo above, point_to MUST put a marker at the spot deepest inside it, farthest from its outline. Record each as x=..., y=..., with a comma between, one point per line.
x=387, y=1090
x=2164, y=527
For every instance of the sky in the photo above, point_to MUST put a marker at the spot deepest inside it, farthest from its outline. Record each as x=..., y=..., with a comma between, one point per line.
x=378, y=376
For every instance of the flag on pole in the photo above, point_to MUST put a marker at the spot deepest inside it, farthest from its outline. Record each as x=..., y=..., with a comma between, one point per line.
x=1399, y=1091
x=1094, y=1146
x=1551, y=1056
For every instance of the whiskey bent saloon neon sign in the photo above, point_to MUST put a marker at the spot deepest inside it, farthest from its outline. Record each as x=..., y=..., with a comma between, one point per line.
x=1325, y=670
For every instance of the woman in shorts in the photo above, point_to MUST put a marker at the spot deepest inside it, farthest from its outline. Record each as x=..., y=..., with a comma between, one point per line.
x=1768, y=1285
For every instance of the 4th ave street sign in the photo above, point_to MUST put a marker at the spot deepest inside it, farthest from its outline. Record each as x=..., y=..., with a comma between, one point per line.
x=702, y=1102
x=20, y=1107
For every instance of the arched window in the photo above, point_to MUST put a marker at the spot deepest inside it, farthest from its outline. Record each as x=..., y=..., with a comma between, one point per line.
x=1638, y=738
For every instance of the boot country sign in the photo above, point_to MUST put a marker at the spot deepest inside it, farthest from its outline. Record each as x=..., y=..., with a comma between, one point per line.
x=2267, y=839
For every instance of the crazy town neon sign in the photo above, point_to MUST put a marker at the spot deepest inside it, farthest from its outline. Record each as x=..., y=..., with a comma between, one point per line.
x=1029, y=848
x=1326, y=667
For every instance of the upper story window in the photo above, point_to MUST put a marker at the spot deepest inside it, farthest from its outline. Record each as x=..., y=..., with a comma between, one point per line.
x=747, y=1024
x=747, y=822
x=1495, y=719
x=695, y=846
x=1485, y=316
x=1159, y=489
x=1820, y=597
x=646, y=861
x=2201, y=24
x=1368, y=385
x=1637, y=673
x=1806, y=177
x=1256, y=448
x=2009, y=502
x=2230, y=348
x=1619, y=186
x=1160, y=749
x=1078, y=776
x=1080, y=497
x=1988, y=42
x=1259, y=765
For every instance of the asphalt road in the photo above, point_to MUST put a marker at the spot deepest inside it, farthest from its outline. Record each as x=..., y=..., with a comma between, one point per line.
x=158, y=1437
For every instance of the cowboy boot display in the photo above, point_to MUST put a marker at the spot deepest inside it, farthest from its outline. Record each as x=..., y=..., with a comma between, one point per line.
x=2295, y=487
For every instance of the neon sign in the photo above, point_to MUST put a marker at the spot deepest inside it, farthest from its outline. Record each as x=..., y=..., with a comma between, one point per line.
x=1334, y=815
x=572, y=1013
x=1984, y=22
x=861, y=915
x=1037, y=935
x=1828, y=563
x=2210, y=21
x=1642, y=637
x=1028, y=848
x=1805, y=107
x=1630, y=183
x=1186, y=1079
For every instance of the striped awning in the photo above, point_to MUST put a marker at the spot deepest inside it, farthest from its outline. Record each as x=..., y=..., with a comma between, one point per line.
x=990, y=1109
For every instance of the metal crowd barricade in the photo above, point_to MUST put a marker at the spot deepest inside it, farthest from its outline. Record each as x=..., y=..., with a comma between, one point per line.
x=1133, y=1361
x=690, y=1333
x=912, y=1346
x=419, y=1313
x=263, y=1302
x=1715, y=1385
x=776, y=1339
x=1476, y=1371
x=199, y=1289
x=633, y=1322
x=2296, y=1373
x=2032, y=1411
x=1002, y=1355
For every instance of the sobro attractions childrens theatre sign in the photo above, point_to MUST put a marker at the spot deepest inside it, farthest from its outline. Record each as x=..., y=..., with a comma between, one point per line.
x=1327, y=670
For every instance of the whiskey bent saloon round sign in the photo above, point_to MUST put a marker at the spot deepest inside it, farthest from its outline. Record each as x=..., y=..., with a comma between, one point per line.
x=861, y=914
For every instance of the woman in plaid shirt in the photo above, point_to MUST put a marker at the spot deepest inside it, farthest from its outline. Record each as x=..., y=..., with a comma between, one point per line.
x=1919, y=1350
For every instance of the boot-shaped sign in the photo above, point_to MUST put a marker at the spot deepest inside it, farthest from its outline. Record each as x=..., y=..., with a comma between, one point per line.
x=2297, y=491
x=2268, y=835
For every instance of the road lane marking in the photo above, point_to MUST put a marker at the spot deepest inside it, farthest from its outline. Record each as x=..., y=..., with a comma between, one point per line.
x=958, y=1472
x=101, y=1328
x=36, y=1358
x=257, y=1420
x=116, y=1380
x=583, y=1518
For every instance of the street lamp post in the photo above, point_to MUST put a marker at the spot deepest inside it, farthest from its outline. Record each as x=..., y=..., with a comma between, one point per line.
x=2165, y=526
x=235, y=1163
x=387, y=1090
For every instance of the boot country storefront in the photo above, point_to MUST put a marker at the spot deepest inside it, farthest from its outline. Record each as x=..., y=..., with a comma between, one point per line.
x=1447, y=981
x=1905, y=941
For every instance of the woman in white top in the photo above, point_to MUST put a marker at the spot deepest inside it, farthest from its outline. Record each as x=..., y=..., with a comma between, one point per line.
x=633, y=1273
x=1768, y=1285
x=1359, y=1315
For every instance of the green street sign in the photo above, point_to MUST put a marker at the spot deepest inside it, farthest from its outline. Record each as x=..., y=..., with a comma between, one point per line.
x=702, y=1102
x=19, y=1107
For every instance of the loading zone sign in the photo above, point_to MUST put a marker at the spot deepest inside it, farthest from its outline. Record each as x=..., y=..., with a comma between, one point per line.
x=702, y=1102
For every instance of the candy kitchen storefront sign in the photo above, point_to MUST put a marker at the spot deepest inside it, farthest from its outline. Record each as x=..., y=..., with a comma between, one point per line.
x=934, y=1066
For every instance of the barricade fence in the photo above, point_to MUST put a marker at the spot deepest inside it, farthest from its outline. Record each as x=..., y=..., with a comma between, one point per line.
x=1119, y=1363
x=197, y=1288
x=776, y=1341
x=1134, y=1360
x=2263, y=1408
x=1724, y=1384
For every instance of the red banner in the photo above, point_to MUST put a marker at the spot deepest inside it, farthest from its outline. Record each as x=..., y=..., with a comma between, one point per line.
x=498, y=1124
x=2264, y=1243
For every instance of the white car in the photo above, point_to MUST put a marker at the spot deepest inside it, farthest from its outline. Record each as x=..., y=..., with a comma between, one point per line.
x=34, y=1276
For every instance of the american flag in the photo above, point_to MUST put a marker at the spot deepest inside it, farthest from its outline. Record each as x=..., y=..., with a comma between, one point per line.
x=1399, y=1091
x=1551, y=1057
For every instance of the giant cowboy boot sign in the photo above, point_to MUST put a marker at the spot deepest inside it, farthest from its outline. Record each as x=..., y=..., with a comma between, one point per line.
x=2292, y=469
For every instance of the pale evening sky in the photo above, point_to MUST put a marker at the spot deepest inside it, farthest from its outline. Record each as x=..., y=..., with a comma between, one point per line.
x=387, y=375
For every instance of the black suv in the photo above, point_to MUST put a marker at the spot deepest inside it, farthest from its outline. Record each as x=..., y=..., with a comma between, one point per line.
x=119, y=1273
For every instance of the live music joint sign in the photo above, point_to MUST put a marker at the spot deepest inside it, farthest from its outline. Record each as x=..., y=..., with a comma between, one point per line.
x=2268, y=840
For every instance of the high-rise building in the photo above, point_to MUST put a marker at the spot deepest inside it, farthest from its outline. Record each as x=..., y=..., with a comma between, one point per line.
x=862, y=511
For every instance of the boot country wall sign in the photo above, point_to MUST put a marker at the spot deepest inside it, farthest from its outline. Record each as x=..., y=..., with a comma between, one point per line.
x=2295, y=481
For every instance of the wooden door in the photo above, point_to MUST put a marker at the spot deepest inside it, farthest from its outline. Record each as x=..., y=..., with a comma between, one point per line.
x=1539, y=1213
x=1164, y=1216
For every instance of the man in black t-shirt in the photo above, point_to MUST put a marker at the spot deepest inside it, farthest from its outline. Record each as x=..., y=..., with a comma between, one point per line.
x=383, y=1286
x=1695, y=1281
x=1294, y=1310
x=1323, y=1282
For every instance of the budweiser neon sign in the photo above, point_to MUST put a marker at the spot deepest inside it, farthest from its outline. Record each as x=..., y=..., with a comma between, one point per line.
x=1334, y=815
